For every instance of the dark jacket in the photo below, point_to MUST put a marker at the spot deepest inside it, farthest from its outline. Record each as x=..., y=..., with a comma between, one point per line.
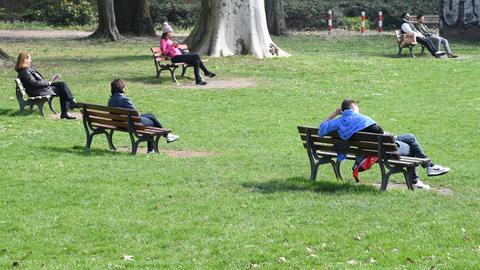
x=121, y=100
x=34, y=83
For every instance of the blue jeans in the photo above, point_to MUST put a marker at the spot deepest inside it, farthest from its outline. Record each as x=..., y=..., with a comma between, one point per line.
x=409, y=146
x=151, y=121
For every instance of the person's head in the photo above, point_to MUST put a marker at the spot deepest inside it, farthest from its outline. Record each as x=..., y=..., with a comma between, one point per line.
x=167, y=31
x=420, y=18
x=350, y=104
x=405, y=16
x=118, y=86
x=23, y=61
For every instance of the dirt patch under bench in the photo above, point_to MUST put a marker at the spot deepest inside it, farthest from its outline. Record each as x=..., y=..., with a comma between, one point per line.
x=220, y=84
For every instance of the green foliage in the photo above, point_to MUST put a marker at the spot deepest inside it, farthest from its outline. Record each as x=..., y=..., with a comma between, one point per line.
x=65, y=12
x=313, y=14
x=180, y=13
x=352, y=23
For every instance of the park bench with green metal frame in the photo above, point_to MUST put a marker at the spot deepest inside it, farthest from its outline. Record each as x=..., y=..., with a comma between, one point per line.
x=163, y=62
x=106, y=120
x=324, y=150
x=25, y=100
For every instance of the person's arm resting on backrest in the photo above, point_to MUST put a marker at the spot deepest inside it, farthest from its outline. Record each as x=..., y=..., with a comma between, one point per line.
x=329, y=124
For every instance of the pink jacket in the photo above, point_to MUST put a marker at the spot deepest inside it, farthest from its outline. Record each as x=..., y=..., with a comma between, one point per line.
x=168, y=48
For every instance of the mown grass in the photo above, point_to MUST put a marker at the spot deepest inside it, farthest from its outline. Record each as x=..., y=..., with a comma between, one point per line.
x=251, y=205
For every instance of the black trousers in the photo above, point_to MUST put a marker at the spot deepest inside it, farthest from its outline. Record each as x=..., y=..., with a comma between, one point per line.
x=65, y=95
x=151, y=121
x=194, y=60
x=428, y=44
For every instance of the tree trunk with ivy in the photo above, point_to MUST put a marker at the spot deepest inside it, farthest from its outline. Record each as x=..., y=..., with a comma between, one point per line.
x=133, y=17
x=233, y=27
x=107, y=26
x=275, y=17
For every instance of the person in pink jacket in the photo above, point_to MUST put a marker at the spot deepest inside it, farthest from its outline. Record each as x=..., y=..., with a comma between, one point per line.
x=177, y=55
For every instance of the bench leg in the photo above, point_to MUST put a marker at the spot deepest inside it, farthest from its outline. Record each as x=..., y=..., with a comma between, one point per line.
x=22, y=107
x=172, y=72
x=51, y=105
x=409, y=174
x=40, y=108
x=184, y=69
x=336, y=169
x=400, y=51
x=110, y=140
x=155, y=143
x=423, y=49
x=158, y=73
x=411, y=51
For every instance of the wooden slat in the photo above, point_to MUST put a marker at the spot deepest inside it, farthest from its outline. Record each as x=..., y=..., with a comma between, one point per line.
x=353, y=157
x=118, y=117
x=360, y=144
x=156, y=50
x=115, y=110
x=359, y=136
x=351, y=150
x=114, y=123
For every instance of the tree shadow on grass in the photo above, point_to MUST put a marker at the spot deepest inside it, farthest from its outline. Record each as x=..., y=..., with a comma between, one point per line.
x=301, y=184
x=83, y=151
x=15, y=113
x=165, y=79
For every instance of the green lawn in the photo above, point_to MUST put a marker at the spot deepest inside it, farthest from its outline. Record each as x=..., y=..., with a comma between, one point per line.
x=251, y=205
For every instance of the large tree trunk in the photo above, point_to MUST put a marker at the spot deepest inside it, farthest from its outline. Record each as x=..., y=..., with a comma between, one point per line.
x=275, y=17
x=107, y=27
x=233, y=27
x=460, y=19
x=133, y=17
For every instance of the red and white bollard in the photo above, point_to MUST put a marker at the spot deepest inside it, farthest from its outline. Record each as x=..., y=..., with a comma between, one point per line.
x=330, y=21
x=362, y=23
x=380, y=22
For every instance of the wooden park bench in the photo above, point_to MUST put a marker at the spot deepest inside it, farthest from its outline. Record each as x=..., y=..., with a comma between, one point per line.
x=163, y=62
x=324, y=150
x=25, y=100
x=399, y=36
x=99, y=119
x=429, y=19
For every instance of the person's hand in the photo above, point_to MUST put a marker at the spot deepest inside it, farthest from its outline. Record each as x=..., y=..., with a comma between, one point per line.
x=338, y=111
x=49, y=83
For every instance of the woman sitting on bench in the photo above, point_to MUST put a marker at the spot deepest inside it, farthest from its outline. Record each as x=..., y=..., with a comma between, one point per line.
x=171, y=49
x=35, y=85
x=119, y=99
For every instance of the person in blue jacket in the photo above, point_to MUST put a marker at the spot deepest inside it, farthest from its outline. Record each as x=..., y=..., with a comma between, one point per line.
x=120, y=99
x=351, y=121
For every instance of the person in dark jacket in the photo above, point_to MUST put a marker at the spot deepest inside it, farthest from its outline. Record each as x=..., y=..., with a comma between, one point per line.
x=36, y=85
x=119, y=99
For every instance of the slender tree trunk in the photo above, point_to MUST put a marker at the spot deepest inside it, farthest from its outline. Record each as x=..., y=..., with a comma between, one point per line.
x=275, y=17
x=107, y=27
x=233, y=27
x=133, y=17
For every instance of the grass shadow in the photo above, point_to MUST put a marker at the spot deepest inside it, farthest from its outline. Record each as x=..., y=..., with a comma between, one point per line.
x=16, y=113
x=82, y=151
x=302, y=184
x=165, y=79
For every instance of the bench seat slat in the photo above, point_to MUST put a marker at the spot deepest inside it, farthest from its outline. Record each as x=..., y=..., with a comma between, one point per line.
x=121, y=124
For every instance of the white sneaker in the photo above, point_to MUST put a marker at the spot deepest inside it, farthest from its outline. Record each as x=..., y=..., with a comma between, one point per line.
x=172, y=137
x=421, y=185
x=436, y=170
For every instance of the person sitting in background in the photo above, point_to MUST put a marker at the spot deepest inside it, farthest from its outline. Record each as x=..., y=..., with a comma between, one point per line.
x=408, y=28
x=119, y=99
x=351, y=121
x=36, y=85
x=171, y=49
x=430, y=34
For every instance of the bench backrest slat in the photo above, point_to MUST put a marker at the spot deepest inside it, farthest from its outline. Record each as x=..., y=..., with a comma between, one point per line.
x=115, y=110
x=20, y=87
x=111, y=116
x=361, y=143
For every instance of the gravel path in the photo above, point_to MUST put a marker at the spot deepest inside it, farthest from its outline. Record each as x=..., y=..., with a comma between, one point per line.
x=34, y=34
